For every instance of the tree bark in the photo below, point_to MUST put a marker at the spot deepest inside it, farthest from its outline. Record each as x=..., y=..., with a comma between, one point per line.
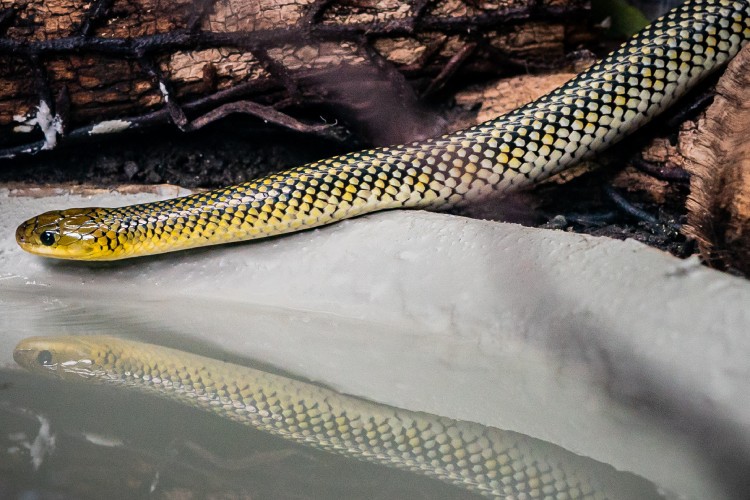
x=711, y=152
x=717, y=154
x=81, y=67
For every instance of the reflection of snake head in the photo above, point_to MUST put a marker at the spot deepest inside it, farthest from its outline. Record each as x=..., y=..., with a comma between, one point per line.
x=76, y=233
x=60, y=357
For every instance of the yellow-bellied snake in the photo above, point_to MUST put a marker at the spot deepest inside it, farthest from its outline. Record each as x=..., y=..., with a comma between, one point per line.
x=592, y=111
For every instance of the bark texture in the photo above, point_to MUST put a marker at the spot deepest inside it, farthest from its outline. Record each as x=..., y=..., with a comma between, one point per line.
x=717, y=153
x=714, y=153
x=68, y=65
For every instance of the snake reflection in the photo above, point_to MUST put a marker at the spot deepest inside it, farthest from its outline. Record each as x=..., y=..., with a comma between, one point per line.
x=487, y=460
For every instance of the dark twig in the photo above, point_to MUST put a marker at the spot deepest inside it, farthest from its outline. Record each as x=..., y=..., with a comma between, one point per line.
x=200, y=9
x=596, y=219
x=24, y=149
x=592, y=219
x=628, y=208
x=62, y=107
x=433, y=48
x=691, y=108
x=96, y=14
x=41, y=81
x=419, y=8
x=278, y=71
x=161, y=117
x=661, y=172
x=315, y=12
x=265, y=113
x=175, y=111
x=450, y=68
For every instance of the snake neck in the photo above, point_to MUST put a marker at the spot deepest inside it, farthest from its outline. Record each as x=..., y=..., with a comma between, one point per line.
x=306, y=197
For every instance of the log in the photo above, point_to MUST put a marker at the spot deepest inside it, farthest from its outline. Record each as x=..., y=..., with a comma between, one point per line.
x=717, y=154
x=80, y=67
x=712, y=150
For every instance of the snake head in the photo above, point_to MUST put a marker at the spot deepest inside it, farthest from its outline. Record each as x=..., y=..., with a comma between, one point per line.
x=65, y=234
x=58, y=357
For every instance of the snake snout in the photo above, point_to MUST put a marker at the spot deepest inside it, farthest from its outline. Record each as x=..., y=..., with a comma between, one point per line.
x=37, y=233
x=21, y=234
x=26, y=234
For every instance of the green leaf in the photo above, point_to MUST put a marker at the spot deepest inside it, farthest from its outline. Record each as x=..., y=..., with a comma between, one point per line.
x=624, y=18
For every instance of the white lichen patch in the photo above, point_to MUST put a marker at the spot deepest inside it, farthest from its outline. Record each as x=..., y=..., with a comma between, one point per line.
x=23, y=129
x=100, y=440
x=43, y=444
x=110, y=127
x=50, y=124
x=164, y=91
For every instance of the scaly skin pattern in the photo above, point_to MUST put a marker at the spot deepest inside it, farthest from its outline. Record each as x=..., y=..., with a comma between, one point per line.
x=486, y=460
x=592, y=111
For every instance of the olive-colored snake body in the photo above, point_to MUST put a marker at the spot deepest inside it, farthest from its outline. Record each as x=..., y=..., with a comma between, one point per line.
x=487, y=460
x=592, y=111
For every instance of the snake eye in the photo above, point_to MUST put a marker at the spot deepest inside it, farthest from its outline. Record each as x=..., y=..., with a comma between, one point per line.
x=44, y=358
x=48, y=239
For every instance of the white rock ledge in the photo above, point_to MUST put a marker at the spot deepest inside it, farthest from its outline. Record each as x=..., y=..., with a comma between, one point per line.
x=607, y=348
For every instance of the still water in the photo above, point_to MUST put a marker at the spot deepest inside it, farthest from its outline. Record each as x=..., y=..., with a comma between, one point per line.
x=62, y=440
x=67, y=440
x=330, y=307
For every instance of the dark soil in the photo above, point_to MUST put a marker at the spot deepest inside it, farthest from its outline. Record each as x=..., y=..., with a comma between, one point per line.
x=226, y=153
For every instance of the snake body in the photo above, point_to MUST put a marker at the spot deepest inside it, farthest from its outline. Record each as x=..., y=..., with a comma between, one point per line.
x=592, y=111
x=487, y=460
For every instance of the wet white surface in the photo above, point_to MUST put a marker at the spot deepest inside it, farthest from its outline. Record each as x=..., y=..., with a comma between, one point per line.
x=606, y=348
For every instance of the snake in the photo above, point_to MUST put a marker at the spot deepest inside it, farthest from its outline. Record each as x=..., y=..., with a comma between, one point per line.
x=594, y=110
x=486, y=460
